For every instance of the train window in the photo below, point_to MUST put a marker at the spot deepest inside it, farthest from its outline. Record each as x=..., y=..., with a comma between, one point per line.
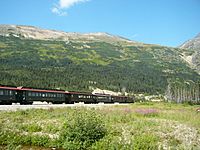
x=6, y=92
x=101, y=97
x=10, y=92
x=1, y=92
x=51, y=94
x=43, y=95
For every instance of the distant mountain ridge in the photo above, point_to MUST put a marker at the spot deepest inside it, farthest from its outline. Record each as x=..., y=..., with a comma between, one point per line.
x=32, y=56
x=32, y=32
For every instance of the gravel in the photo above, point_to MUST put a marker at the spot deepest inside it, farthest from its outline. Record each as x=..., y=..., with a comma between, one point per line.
x=43, y=105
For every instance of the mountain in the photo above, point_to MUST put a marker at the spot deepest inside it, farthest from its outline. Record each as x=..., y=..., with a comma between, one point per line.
x=31, y=32
x=192, y=43
x=31, y=56
x=193, y=54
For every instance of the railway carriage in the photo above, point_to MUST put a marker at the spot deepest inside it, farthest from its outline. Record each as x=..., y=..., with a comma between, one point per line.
x=105, y=98
x=76, y=97
x=8, y=95
x=122, y=99
x=118, y=99
x=28, y=96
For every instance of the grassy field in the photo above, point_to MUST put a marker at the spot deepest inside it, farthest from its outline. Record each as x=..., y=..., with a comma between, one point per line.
x=136, y=126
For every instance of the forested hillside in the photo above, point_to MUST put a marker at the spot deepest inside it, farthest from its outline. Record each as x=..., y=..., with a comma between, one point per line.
x=84, y=64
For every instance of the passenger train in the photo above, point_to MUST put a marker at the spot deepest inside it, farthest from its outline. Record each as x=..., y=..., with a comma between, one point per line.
x=25, y=96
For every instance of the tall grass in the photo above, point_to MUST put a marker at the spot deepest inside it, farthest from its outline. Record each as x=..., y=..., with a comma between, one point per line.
x=136, y=126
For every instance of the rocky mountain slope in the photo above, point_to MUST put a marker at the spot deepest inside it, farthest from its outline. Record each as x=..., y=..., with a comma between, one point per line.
x=31, y=32
x=31, y=56
x=192, y=43
x=193, y=52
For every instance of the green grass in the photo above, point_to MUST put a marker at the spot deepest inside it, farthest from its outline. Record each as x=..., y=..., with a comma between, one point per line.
x=135, y=126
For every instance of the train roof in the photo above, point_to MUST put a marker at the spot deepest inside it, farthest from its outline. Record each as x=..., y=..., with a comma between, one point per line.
x=101, y=94
x=41, y=90
x=21, y=88
x=79, y=93
x=8, y=87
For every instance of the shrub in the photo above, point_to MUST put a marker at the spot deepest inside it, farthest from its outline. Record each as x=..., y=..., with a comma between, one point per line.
x=82, y=129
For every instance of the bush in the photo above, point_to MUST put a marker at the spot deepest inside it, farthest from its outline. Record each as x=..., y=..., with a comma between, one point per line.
x=82, y=129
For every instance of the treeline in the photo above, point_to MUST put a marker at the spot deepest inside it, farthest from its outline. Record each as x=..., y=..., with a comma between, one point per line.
x=84, y=77
x=183, y=91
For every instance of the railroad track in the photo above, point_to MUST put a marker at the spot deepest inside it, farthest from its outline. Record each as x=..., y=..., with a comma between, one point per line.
x=41, y=105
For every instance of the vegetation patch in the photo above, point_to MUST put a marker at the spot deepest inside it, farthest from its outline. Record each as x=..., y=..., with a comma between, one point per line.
x=135, y=126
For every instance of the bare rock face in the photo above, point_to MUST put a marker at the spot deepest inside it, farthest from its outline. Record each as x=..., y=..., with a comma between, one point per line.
x=32, y=32
x=193, y=44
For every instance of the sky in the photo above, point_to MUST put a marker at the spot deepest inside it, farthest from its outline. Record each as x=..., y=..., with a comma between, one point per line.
x=163, y=22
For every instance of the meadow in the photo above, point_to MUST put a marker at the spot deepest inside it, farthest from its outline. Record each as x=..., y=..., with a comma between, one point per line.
x=135, y=126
